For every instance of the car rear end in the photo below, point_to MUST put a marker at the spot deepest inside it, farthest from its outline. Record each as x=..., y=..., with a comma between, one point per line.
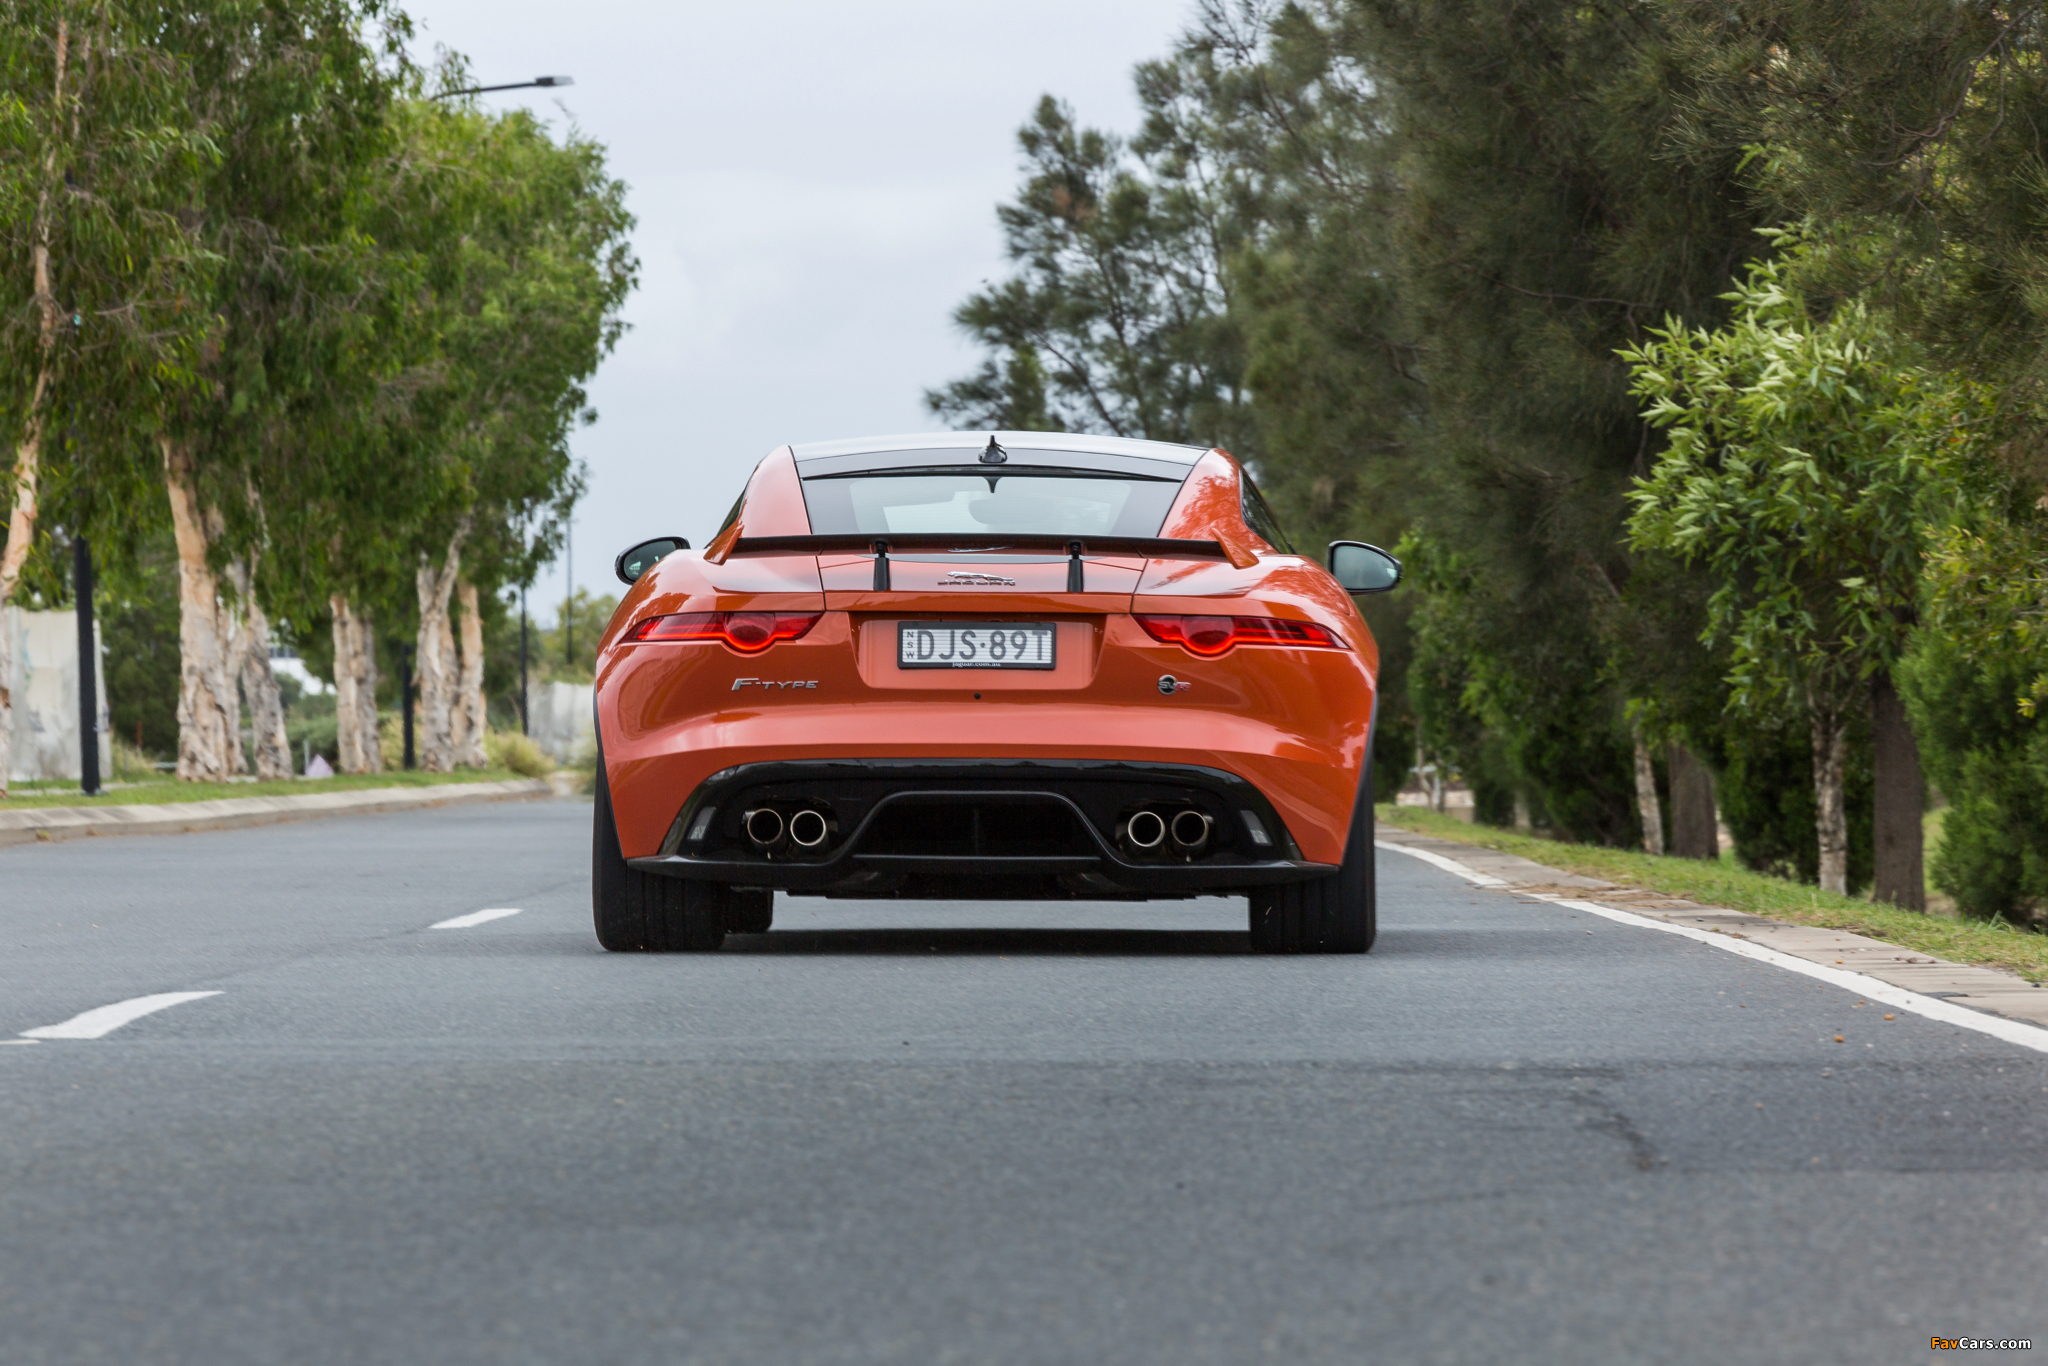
x=925, y=672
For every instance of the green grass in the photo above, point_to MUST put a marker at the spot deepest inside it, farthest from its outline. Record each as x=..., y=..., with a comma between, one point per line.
x=164, y=788
x=1728, y=884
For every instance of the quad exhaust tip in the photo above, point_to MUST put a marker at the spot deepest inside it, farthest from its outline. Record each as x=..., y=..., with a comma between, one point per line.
x=808, y=829
x=1190, y=830
x=1145, y=830
x=765, y=827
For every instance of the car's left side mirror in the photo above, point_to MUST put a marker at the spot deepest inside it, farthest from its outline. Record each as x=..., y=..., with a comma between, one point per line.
x=1363, y=568
x=637, y=560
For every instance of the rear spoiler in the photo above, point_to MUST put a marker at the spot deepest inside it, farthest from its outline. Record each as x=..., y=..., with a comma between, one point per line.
x=869, y=544
x=1074, y=547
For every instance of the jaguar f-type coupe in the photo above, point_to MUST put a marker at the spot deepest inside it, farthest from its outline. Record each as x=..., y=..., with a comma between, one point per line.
x=1008, y=666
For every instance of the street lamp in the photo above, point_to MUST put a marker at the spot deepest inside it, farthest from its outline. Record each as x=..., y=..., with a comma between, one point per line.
x=543, y=82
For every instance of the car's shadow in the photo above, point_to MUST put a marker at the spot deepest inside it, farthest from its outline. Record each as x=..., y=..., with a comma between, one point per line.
x=1106, y=943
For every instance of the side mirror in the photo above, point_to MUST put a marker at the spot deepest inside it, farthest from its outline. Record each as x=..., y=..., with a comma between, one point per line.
x=1363, y=568
x=637, y=560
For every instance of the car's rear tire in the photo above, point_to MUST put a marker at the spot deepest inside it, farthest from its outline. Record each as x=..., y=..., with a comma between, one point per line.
x=637, y=912
x=750, y=911
x=1333, y=914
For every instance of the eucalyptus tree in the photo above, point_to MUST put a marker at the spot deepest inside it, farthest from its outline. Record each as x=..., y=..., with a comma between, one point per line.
x=524, y=259
x=295, y=95
x=97, y=157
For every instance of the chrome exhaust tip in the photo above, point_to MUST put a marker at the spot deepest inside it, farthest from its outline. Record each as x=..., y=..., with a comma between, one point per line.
x=1145, y=830
x=765, y=827
x=1190, y=829
x=808, y=829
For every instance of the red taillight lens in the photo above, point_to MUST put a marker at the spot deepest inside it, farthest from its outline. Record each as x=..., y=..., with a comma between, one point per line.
x=1212, y=636
x=748, y=632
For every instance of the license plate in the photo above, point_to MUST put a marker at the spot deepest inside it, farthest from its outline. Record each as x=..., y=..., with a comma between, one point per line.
x=974, y=645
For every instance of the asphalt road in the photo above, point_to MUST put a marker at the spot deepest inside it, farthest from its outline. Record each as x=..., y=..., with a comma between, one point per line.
x=969, y=1133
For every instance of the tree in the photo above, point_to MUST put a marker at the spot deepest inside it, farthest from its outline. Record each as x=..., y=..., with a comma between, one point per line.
x=295, y=95
x=96, y=157
x=1801, y=449
x=1118, y=318
x=524, y=253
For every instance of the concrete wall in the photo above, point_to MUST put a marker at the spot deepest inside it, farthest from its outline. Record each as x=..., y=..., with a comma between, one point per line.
x=45, y=688
x=559, y=719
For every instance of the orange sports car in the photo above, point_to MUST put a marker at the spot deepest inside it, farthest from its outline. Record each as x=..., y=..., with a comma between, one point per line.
x=1017, y=666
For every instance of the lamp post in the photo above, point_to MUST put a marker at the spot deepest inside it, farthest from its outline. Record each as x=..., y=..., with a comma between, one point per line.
x=405, y=698
x=543, y=82
x=525, y=727
x=88, y=670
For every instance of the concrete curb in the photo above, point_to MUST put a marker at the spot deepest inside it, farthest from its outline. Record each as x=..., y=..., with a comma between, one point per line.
x=42, y=824
x=1992, y=991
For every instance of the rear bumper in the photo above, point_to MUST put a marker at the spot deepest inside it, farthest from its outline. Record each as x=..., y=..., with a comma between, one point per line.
x=996, y=828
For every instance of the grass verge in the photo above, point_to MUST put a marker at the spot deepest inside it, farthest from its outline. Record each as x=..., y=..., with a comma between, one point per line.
x=1723, y=884
x=152, y=792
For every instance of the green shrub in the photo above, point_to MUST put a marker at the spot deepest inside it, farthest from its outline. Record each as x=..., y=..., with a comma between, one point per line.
x=1991, y=763
x=510, y=749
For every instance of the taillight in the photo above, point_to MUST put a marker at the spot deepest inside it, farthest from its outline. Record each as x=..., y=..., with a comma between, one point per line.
x=748, y=632
x=1212, y=636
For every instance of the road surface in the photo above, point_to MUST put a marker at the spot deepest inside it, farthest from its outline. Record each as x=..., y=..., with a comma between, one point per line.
x=956, y=1132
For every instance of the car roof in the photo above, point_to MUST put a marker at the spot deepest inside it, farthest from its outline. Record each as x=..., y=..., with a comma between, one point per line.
x=1064, y=449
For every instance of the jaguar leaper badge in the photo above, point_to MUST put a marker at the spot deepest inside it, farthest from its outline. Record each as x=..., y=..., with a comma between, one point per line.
x=967, y=578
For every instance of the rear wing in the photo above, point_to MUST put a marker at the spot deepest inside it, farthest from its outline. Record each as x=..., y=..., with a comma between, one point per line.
x=864, y=543
x=1073, y=547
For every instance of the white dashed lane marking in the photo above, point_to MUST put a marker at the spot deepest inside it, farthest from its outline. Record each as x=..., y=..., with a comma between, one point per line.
x=104, y=1020
x=463, y=922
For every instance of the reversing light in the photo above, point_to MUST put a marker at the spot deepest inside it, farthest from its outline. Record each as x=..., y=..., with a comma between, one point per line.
x=747, y=632
x=1212, y=636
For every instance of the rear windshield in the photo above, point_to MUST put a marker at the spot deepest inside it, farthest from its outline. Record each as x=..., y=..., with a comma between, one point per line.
x=1058, y=503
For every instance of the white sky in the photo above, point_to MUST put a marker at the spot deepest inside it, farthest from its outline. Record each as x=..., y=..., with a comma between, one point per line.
x=816, y=183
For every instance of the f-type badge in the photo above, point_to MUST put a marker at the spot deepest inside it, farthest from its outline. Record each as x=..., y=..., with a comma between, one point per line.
x=1169, y=685
x=967, y=578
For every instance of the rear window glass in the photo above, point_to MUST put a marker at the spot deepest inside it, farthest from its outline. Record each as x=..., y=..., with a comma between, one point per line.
x=1258, y=515
x=1016, y=501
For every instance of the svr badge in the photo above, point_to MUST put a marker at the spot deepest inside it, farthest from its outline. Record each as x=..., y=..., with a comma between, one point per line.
x=1169, y=685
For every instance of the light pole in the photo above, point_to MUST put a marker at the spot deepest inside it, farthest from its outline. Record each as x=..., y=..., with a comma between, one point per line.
x=542, y=82
x=405, y=698
x=88, y=670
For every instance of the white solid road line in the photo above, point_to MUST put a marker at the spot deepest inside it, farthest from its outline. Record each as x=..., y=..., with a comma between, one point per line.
x=98, y=1023
x=463, y=922
x=2011, y=1031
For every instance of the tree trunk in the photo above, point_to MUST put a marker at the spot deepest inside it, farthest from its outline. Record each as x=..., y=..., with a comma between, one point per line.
x=28, y=453
x=436, y=687
x=1648, y=807
x=1901, y=800
x=1830, y=757
x=259, y=681
x=1695, y=833
x=355, y=690
x=469, y=707
x=209, y=720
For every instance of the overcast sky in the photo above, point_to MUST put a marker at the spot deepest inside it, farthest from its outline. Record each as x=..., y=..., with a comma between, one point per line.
x=816, y=184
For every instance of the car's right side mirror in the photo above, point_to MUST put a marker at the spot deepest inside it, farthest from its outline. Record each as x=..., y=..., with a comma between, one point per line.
x=1363, y=568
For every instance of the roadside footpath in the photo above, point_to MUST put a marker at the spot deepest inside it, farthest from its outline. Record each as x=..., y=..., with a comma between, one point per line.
x=1987, y=990
x=29, y=825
